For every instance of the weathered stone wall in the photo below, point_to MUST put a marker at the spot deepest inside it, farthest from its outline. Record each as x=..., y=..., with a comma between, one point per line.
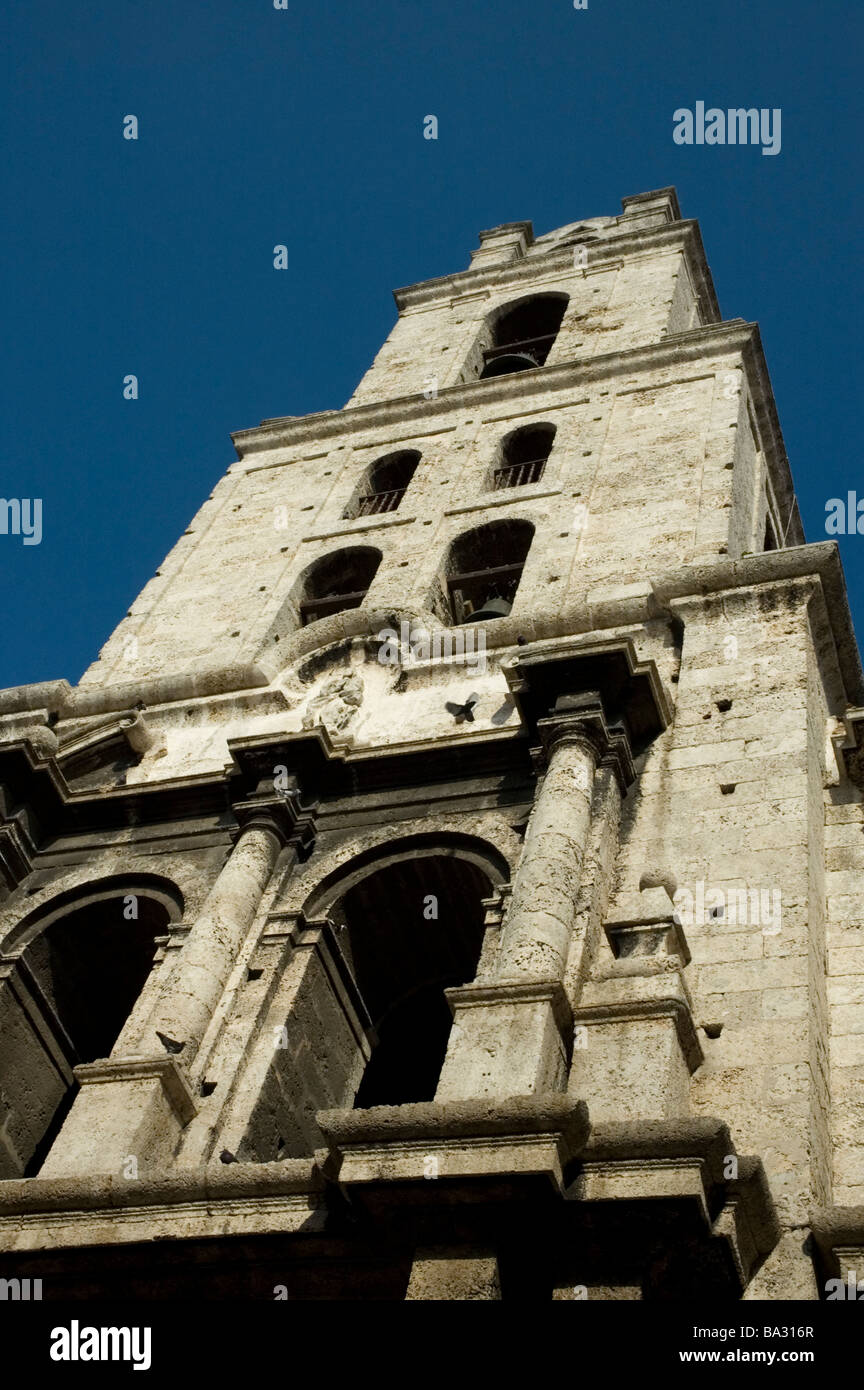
x=726, y=800
x=642, y=477
x=628, y=304
x=844, y=862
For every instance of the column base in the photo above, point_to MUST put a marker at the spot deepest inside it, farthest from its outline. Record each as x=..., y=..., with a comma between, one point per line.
x=128, y=1116
x=508, y=1039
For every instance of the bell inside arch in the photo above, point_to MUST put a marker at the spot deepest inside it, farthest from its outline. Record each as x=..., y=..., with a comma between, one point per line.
x=506, y=363
x=492, y=608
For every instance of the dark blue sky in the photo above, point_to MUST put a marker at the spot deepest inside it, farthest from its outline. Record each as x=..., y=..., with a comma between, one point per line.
x=304, y=126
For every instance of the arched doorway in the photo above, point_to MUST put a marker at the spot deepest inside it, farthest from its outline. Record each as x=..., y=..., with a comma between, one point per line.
x=68, y=980
x=407, y=931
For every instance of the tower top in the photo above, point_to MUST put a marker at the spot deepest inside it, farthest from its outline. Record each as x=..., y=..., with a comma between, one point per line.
x=510, y=240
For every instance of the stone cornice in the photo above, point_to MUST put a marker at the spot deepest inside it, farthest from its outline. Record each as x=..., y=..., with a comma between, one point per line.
x=696, y=345
x=321, y=770
x=512, y=274
x=255, y=1182
x=84, y=701
x=244, y=791
x=550, y=685
x=427, y=1121
x=656, y=599
x=318, y=770
x=173, y=1079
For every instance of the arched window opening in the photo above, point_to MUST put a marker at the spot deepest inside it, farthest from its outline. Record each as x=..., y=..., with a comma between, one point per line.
x=523, y=335
x=65, y=1001
x=407, y=932
x=384, y=485
x=484, y=568
x=523, y=457
x=337, y=582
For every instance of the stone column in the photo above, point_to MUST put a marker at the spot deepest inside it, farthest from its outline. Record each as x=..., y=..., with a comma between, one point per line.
x=131, y=1109
x=191, y=995
x=543, y=904
x=511, y=1032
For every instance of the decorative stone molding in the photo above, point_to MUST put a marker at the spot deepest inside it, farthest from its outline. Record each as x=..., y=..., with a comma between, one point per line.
x=242, y=1198
x=618, y=696
x=172, y=1078
x=580, y=722
x=549, y=992
x=677, y=1011
x=838, y=1235
x=522, y=1135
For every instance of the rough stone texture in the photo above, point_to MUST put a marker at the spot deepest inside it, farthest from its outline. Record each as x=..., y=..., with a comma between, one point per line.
x=445, y=1275
x=245, y=782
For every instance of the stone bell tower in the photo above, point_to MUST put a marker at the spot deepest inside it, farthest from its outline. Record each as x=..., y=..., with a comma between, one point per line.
x=446, y=883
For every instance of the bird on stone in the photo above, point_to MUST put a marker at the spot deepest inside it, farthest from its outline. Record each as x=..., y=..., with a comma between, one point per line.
x=462, y=712
x=226, y=1156
x=170, y=1044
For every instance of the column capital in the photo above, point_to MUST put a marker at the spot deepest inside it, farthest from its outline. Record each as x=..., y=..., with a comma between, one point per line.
x=580, y=721
x=280, y=813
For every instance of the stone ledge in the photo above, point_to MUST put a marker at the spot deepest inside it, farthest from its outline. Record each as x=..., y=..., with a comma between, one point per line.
x=669, y=591
x=217, y=1182
x=635, y=1010
x=838, y=1233
x=514, y=991
x=359, y=527
x=647, y=1160
x=702, y=1137
x=174, y=1221
x=517, y=1115
x=697, y=344
x=524, y=494
x=175, y=1082
x=484, y=1153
